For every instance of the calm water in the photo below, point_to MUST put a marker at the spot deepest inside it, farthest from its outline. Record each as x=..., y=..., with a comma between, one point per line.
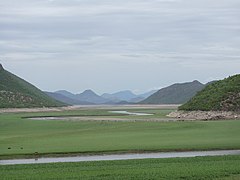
x=131, y=113
x=120, y=157
x=75, y=117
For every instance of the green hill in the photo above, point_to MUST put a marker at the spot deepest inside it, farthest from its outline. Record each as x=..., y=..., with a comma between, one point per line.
x=17, y=93
x=175, y=94
x=223, y=95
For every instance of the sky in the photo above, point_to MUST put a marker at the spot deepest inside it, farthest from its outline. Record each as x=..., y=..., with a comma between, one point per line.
x=112, y=45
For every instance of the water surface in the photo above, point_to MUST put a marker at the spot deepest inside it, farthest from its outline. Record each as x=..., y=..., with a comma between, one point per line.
x=120, y=157
x=131, y=113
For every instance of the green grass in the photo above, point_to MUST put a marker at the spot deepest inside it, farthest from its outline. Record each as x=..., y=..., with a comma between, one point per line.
x=220, y=167
x=22, y=136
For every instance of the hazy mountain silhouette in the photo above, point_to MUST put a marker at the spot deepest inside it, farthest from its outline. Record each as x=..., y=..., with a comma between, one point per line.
x=178, y=93
x=67, y=100
x=92, y=97
x=126, y=96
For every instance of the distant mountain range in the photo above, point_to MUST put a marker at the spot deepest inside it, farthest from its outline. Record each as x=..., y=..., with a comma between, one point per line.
x=120, y=96
x=175, y=94
x=17, y=93
x=178, y=93
x=92, y=97
x=216, y=95
x=67, y=100
x=89, y=97
x=127, y=96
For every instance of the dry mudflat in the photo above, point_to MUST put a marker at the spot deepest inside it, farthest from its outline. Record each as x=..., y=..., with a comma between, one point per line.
x=80, y=107
x=114, y=119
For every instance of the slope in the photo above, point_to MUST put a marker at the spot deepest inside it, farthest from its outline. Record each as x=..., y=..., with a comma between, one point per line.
x=175, y=94
x=223, y=95
x=17, y=93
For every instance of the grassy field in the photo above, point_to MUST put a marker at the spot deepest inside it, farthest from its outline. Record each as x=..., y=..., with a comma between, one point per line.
x=222, y=167
x=20, y=136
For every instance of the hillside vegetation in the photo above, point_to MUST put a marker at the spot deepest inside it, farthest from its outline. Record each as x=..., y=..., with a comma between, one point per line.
x=175, y=94
x=223, y=95
x=17, y=93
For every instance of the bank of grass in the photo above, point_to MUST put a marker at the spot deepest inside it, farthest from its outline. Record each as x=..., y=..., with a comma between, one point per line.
x=220, y=167
x=24, y=137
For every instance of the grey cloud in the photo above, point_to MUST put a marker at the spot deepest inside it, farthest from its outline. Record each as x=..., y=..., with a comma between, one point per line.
x=155, y=36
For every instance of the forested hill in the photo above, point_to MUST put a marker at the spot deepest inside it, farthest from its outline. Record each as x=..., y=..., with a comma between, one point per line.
x=223, y=95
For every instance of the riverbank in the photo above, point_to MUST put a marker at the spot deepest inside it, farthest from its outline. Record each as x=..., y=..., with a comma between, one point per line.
x=87, y=107
x=204, y=115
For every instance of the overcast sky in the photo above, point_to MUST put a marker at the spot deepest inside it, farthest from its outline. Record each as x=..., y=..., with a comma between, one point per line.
x=112, y=45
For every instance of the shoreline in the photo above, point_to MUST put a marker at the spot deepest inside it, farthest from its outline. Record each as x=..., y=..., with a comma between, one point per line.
x=102, y=153
x=205, y=115
x=86, y=107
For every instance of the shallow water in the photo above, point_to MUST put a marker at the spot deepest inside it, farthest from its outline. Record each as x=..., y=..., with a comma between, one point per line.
x=131, y=113
x=76, y=117
x=120, y=157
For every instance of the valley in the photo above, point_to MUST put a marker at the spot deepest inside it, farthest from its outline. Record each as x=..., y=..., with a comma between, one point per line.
x=61, y=129
x=119, y=90
x=100, y=131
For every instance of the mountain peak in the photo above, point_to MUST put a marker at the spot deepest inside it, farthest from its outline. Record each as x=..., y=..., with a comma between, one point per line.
x=91, y=97
x=88, y=91
x=178, y=93
x=197, y=82
x=128, y=92
x=62, y=91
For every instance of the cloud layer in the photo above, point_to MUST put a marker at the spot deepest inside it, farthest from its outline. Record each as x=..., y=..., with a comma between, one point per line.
x=111, y=45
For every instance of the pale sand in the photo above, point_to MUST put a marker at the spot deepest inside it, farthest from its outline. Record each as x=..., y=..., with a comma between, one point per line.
x=17, y=110
x=113, y=119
